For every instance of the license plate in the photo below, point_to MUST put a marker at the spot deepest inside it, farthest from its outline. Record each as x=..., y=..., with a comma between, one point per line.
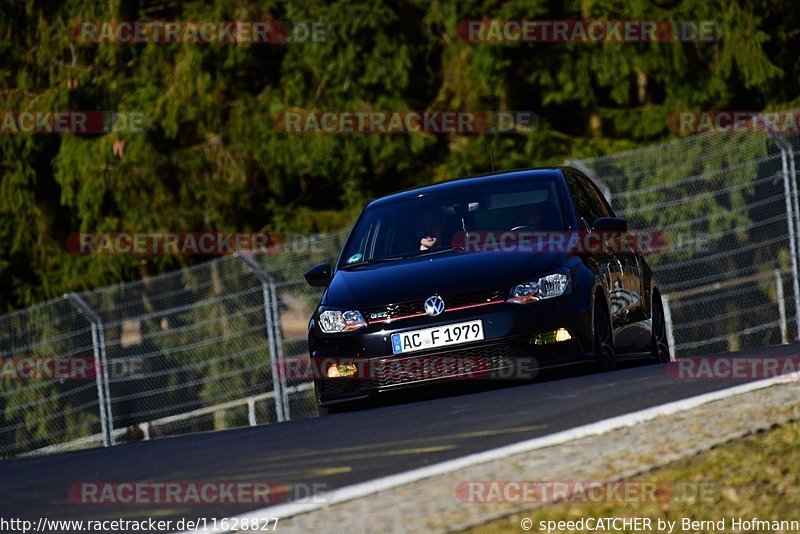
x=438, y=336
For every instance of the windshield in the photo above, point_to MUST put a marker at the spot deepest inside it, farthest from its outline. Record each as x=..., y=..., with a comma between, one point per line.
x=428, y=223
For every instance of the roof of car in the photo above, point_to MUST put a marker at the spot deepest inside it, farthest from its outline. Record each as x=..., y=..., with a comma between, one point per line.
x=489, y=178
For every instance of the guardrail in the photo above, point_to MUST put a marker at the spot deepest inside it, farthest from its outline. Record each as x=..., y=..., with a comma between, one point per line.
x=145, y=427
x=781, y=319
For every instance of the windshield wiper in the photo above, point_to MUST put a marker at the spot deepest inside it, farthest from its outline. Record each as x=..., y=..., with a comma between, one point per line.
x=427, y=252
x=372, y=262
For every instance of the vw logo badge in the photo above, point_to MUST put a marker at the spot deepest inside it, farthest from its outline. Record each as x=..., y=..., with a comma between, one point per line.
x=434, y=305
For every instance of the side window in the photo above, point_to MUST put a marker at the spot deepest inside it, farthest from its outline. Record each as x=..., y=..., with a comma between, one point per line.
x=597, y=199
x=589, y=202
x=582, y=202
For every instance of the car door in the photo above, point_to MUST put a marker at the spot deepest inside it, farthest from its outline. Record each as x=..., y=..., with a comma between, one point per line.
x=607, y=265
x=627, y=298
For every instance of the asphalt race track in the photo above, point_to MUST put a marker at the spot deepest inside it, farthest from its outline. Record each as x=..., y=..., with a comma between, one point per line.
x=346, y=448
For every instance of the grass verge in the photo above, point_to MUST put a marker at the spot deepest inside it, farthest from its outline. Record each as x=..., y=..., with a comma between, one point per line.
x=757, y=476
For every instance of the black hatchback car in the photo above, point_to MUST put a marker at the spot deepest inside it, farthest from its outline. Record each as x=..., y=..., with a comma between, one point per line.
x=461, y=280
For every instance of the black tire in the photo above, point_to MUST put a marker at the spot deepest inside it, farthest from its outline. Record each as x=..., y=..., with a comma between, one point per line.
x=659, y=343
x=603, y=336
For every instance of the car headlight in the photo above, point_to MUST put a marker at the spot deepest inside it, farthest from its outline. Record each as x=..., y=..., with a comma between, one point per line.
x=333, y=321
x=545, y=287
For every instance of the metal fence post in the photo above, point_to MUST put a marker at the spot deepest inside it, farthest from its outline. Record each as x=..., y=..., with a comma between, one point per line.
x=278, y=337
x=781, y=307
x=100, y=367
x=271, y=318
x=668, y=326
x=796, y=212
x=790, y=221
x=793, y=179
x=251, y=412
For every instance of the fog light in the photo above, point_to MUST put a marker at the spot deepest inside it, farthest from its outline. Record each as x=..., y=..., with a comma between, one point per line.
x=339, y=370
x=554, y=336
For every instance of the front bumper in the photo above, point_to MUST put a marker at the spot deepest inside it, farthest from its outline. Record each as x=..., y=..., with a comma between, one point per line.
x=507, y=351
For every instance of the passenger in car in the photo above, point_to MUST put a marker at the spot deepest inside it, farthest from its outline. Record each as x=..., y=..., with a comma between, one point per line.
x=527, y=215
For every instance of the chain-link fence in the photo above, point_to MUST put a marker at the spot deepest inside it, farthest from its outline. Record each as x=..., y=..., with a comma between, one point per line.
x=223, y=344
x=192, y=350
x=728, y=206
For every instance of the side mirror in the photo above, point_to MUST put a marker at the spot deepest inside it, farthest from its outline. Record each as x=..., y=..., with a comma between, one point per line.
x=610, y=224
x=319, y=276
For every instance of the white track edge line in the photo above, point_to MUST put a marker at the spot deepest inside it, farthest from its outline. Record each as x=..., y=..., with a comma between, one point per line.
x=362, y=489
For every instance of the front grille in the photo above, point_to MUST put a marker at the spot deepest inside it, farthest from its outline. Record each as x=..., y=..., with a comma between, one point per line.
x=417, y=307
x=470, y=364
x=477, y=363
x=484, y=361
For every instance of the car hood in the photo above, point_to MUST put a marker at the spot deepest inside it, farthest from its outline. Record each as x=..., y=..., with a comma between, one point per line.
x=447, y=273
